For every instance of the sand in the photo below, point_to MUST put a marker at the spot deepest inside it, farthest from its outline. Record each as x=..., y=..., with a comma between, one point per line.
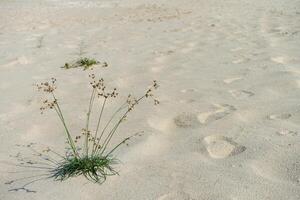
x=227, y=127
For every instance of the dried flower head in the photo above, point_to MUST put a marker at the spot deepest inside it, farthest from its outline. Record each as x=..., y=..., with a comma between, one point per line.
x=149, y=92
x=100, y=88
x=47, y=87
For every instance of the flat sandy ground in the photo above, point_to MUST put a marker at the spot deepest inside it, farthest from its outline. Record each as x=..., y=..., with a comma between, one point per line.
x=227, y=127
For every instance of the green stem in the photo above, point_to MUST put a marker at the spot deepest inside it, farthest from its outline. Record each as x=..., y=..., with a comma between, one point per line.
x=107, y=124
x=112, y=132
x=98, y=124
x=60, y=115
x=123, y=141
x=88, y=121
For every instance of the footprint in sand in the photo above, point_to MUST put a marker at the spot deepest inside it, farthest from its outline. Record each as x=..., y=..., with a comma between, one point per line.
x=186, y=120
x=221, y=110
x=241, y=94
x=190, y=119
x=220, y=147
x=279, y=116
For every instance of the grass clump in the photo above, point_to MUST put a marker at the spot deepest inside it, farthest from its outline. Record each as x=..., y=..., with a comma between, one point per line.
x=91, y=154
x=85, y=63
x=94, y=168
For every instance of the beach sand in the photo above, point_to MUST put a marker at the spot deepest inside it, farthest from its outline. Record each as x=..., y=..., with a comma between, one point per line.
x=228, y=123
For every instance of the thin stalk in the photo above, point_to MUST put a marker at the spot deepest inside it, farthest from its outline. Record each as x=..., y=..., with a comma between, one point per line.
x=86, y=145
x=98, y=124
x=71, y=143
x=59, y=113
x=122, y=142
x=112, y=132
x=107, y=124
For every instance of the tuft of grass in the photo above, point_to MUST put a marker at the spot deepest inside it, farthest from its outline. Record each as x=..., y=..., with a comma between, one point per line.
x=91, y=154
x=95, y=168
x=85, y=63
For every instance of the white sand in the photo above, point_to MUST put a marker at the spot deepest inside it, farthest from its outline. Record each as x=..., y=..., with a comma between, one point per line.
x=228, y=124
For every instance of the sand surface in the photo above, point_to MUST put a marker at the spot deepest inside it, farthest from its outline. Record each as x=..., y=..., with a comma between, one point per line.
x=228, y=126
